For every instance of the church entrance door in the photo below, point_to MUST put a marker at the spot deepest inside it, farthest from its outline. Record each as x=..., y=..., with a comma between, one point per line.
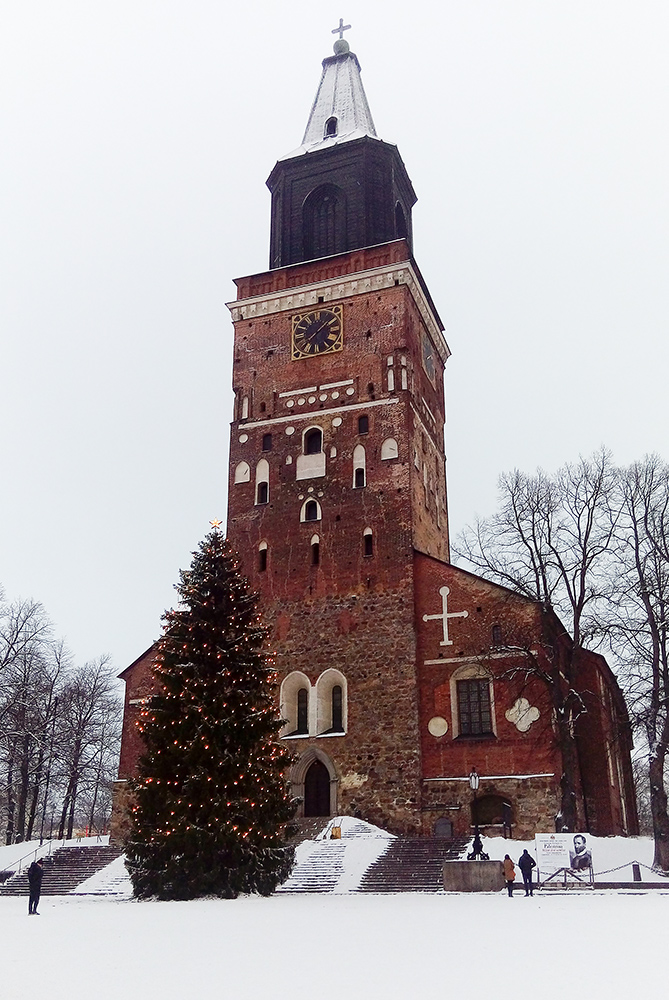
x=317, y=790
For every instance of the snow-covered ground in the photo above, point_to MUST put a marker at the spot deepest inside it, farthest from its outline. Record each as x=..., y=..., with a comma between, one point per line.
x=582, y=945
x=585, y=944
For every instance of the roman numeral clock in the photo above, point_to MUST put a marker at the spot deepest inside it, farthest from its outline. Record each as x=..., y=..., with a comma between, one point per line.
x=319, y=331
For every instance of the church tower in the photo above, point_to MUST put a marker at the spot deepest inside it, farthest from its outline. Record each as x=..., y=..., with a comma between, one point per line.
x=337, y=467
x=402, y=677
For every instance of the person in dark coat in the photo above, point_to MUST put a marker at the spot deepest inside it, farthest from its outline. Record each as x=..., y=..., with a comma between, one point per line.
x=35, y=873
x=526, y=863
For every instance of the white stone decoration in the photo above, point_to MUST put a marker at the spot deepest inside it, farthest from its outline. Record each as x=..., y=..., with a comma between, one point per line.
x=243, y=473
x=437, y=726
x=290, y=402
x=312, y=399
x=243, y=438
x=334, y=395
x=337, y=422
x=445, y=615
x=301, y=401
x=389, y=449
x=290, y=430
x=323, y=396
x=350, y=391
x=522, y=714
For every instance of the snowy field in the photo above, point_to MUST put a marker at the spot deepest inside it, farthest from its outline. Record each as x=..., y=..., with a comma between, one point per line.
x=578, y=945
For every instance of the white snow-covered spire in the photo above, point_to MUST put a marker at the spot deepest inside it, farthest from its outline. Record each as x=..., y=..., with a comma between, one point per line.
x=340, y=111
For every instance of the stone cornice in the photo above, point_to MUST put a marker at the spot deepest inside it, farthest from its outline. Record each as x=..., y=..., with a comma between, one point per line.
x=343, y=287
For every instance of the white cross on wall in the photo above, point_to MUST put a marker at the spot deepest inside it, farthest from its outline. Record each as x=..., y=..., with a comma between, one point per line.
x=445, y=615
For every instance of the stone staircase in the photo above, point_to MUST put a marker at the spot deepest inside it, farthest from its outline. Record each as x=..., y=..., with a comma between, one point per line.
x=412, y=864
x=64, y=870
x=320, y=871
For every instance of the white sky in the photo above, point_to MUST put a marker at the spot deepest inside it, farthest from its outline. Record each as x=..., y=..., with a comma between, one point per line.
x=137, y=137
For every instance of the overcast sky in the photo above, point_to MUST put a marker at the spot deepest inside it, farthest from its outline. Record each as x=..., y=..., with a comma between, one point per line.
x=136, y=140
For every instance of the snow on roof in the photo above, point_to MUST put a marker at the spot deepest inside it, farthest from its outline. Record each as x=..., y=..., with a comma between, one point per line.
x=340, y=99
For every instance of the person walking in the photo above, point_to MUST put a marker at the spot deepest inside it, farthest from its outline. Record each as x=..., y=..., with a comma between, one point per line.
x=35, y=873
x=509, y=873
x=526, y=863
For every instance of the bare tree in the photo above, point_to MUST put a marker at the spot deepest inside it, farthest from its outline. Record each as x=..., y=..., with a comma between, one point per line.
x=90, y=710
x=550, y=541
x=638, y=624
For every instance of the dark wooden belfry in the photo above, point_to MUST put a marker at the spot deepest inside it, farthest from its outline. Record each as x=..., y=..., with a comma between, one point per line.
x=344, y=188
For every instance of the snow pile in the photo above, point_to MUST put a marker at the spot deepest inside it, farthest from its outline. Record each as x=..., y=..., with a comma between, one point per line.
x=112, y=880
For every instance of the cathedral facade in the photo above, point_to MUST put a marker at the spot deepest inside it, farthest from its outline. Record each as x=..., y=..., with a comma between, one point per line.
x=401, y=674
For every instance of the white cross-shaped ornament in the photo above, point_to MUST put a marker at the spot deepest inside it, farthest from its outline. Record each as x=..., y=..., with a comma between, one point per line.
x=445, y=615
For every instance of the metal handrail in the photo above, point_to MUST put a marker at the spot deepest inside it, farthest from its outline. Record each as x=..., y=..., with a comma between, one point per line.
x=17, y=866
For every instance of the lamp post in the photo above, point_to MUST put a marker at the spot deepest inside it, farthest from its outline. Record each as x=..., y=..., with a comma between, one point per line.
x=477, y=851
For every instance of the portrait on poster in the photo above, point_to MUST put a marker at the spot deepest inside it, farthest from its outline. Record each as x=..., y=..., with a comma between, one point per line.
x=563, y=850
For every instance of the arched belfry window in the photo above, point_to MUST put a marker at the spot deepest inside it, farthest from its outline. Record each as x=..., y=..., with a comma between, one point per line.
x=324, y=221
x=330, y=128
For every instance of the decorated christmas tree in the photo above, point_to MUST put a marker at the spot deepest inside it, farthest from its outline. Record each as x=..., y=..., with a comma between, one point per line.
x=211, y=802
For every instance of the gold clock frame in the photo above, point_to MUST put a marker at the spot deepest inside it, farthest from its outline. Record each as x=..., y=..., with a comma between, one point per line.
x=337, y=345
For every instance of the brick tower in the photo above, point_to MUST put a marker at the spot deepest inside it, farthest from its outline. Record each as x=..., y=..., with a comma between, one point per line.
x=336, y=456
x=400, y=674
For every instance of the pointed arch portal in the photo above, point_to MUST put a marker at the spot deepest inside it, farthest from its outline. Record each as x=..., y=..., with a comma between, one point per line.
x=317, y=790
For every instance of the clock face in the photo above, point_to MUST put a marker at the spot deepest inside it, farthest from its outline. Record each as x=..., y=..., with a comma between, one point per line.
x=317, y=332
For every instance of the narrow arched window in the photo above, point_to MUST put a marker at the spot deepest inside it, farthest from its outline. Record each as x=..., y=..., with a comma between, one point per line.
x=368, y=542
x=267, y=442
x=313, y=441
x=337, y=709
x=315, y=550
x=359, y=467
x=497, y=635
x=330, y=127
x=311, y=511
x=363, y=423
x=262, y=481
x=262, y=557
x=324, y=222
x=302, y=712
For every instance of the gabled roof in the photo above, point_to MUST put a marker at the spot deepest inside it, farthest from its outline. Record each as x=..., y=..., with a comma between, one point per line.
x=340, y=96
